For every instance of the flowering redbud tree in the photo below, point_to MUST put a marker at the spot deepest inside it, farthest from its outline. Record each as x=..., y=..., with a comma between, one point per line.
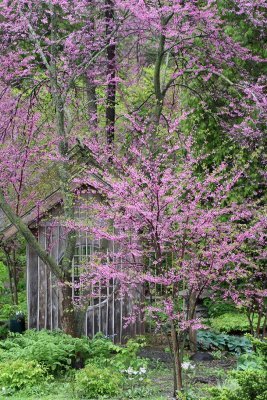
x=250, y=293
x=175, y=228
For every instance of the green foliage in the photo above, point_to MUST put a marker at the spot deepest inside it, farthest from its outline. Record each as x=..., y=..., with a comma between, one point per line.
x=250, y=378
x=3, y=276
x=252, y=385
x=105, y=353
x=209, y=340
x=250, y=361
x=225, y=394
x=102, y=348
x=106, y=356
x=93, y=382
x=217, y=354
x=109, y=367
x=18, y=374
x=261, y=347
x=55, y=350
x=231, y=322
x=137, y=392
x=3, y=331
x=216, y=307
x=128, y=357
x=7, y=308
x=9, y=311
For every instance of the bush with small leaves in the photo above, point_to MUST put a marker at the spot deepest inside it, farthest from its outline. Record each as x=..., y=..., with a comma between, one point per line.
x=260, y=346
x=231, y=322
x=225, y=394
x=251, y=385
x=93, y=382
x=18, y=374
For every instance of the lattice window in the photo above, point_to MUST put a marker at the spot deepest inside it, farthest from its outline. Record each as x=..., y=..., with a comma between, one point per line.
x=84, y=251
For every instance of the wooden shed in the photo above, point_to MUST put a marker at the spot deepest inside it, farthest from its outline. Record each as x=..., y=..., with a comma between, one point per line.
x=106, y=311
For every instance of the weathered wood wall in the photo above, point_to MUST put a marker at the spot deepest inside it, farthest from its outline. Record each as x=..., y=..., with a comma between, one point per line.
x=43, y=292
x=106, y=312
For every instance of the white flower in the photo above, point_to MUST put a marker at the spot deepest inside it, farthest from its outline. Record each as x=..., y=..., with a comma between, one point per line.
x=187, y=365
x=129, y=371
x=142, y=370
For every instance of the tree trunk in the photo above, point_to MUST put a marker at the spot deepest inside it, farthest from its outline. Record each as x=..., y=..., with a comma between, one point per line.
x=178, y=383
x=264, y=327
x=15, y=277
x=68, y=312
x=11, y=285
x=157, y=82
x=111, y=73
x=250, y=320
x=258, y=325
x=192, y=315
x=91, y=103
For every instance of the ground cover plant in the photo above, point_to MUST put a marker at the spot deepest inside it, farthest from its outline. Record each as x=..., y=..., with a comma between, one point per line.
x=117, y=372
x=95, y=367
x=209, y=340
x=18, y=374
x=55, y=350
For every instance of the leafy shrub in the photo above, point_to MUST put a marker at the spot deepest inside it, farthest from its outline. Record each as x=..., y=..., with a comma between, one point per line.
x=3, y=331
x=250, y=361
x=10, y=310
x=252, y=385
x=93, y=382
x=216, y=307
x=56, y=350
x=102, y=348
x=105, y=353
x=18, y=374
x=209, y=340
x=260, y=345
x=225, y=394
x=230, y=322
x=128, y=356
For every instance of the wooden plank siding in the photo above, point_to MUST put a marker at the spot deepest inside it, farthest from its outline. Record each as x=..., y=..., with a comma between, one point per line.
x=32, y=288
x=106, y=312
